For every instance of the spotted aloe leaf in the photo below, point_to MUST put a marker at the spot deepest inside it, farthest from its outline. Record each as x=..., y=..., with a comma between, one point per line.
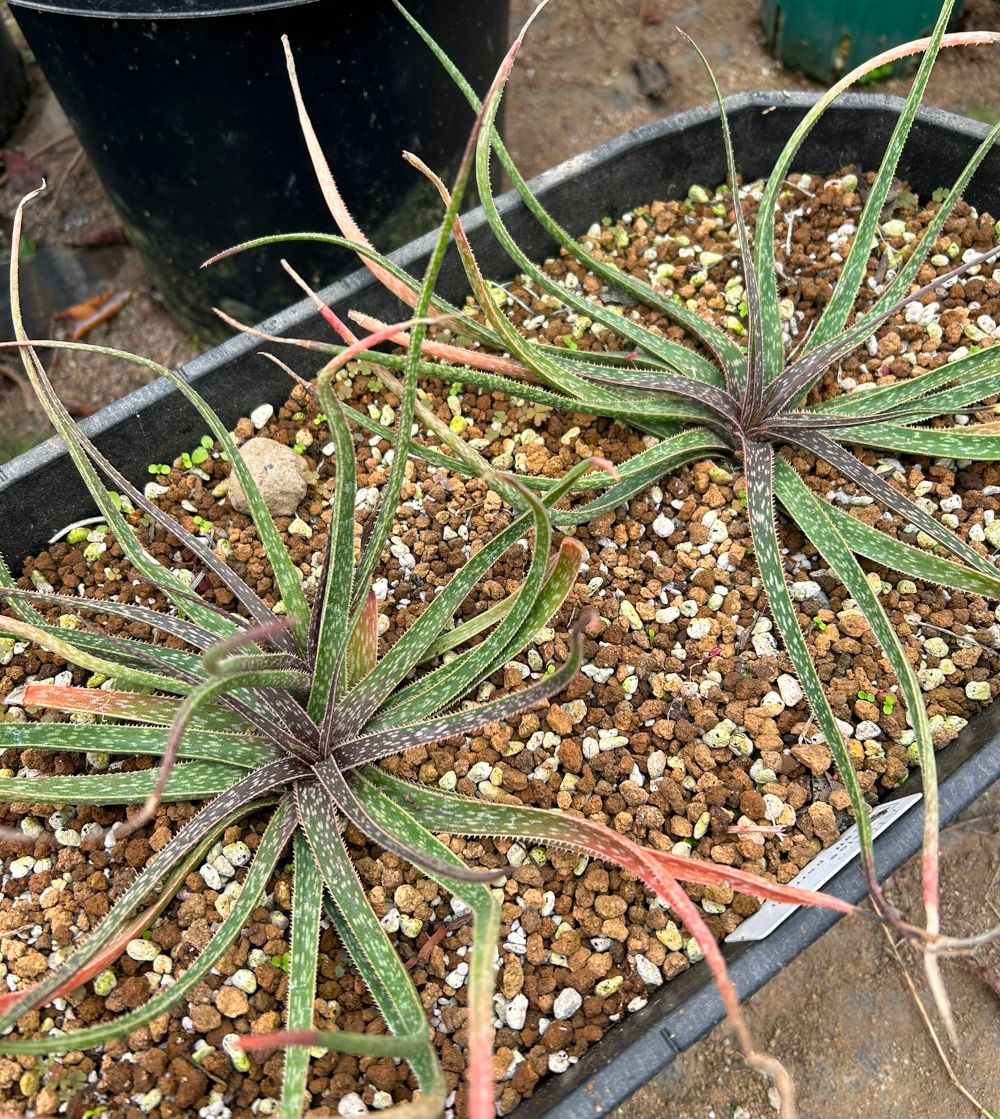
x=486, y=930
x=307, y=908
x=852, y=272
x=54, y=642
x=192, y=781
x=362, y=646
x=105, y=738
x=365, y=939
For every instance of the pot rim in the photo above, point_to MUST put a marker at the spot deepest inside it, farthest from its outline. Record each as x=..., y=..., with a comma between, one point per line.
x=150, y=10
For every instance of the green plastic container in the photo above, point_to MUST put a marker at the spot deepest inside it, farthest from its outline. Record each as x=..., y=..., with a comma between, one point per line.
x=828, y=38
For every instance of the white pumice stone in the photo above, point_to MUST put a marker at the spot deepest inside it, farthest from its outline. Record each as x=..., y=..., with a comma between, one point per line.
x=352, y=1105
x=142, y=950
x=152, y=1099
x=244, y=980
x=32, y=826
x=649, y=973
x=807, y=589
x=223, y=866
x=515, y=1013
x=238, y=854
x=558, y=1061
x=21, y=868
x=567, y=1003
x=260, y=415
x=773, y=806
x=764, y=644
x=211, y=876
x=789, y=689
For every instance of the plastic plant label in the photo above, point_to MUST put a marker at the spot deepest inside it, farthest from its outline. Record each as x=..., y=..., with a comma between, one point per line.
x=826, y=864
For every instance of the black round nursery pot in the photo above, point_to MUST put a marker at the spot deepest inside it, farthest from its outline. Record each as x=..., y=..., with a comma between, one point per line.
x=40, y=491
x=13, y=84
x=185, y=111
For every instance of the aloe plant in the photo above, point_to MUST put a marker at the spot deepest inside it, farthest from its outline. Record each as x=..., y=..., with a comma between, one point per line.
x=287, y=715
x=257, y=713
x=739, y=398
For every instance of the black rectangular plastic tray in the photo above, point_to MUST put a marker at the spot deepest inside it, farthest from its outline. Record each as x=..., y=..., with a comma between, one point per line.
x=40, y=491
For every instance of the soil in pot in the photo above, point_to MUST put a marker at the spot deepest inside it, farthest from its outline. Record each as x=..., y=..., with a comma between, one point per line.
x=681, y=665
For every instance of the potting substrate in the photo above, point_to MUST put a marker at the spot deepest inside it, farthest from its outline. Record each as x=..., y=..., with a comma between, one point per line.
x=685, y=723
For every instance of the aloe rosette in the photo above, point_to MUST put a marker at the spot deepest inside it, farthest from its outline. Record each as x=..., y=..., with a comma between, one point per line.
x=256, y=714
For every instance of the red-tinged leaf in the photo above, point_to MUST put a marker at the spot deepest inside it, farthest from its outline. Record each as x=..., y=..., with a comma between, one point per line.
x=604, y=843
x=118, y=705
x=463, y=816
x=20, y=172
x=361, y=652
x=372, y=340
x=475, y=359
x=341, y=215
x=86, y=307
x=279, y=1039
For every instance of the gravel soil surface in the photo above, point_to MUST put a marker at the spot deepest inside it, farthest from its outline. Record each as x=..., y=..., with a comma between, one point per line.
x=685, y=723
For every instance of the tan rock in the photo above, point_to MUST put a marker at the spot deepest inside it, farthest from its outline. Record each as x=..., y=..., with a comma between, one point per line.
x=32, y=963
x=610, y=906
x=823, y=822
x=205, y=1018
x=839, y=800
x=280, y=475
x=231, y=1003
x=559, y=721
x=815, y=756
